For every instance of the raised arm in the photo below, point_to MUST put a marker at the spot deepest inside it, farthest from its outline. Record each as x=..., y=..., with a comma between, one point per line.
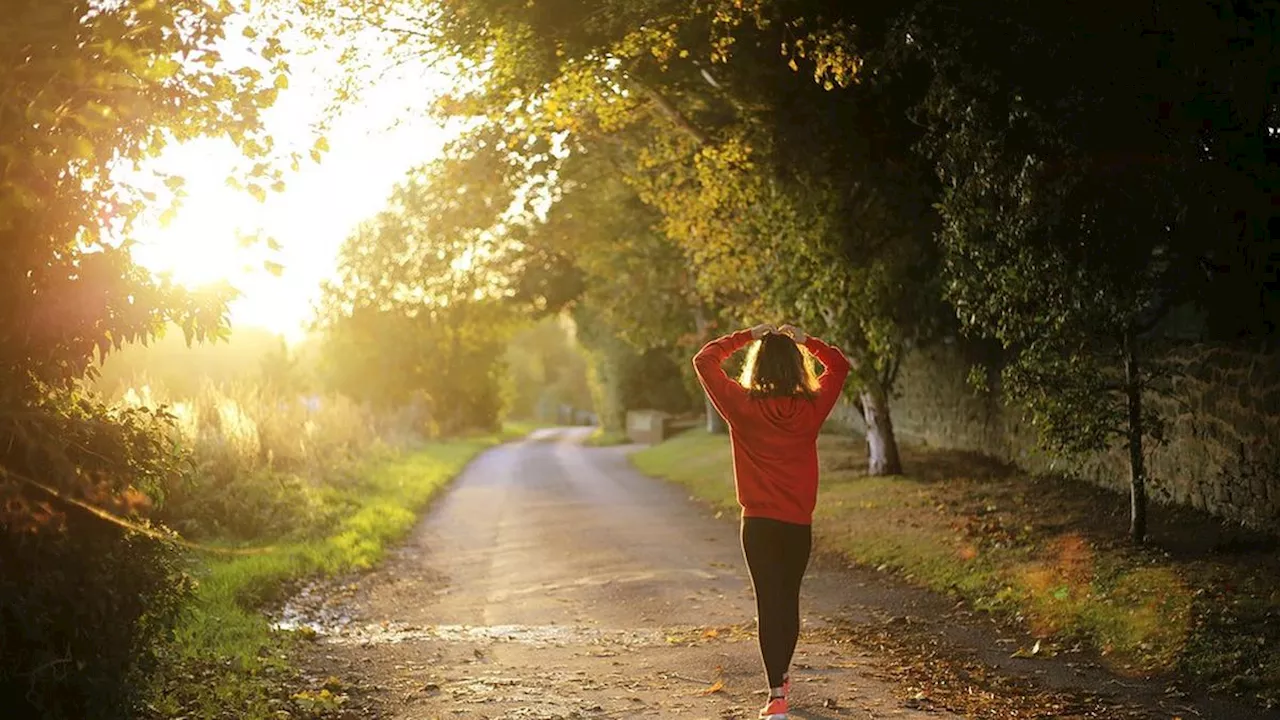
x=725, y=394
x=836, y=371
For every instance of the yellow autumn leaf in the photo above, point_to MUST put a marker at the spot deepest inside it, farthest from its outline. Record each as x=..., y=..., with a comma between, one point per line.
x=81, y=148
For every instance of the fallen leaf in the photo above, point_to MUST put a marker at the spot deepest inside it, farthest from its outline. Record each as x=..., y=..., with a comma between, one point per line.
x=1023, y=653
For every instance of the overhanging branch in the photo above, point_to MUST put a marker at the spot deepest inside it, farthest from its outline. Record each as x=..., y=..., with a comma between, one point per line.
x=670, y=111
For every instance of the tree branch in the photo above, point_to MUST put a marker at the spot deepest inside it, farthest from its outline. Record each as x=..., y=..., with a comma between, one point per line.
x=672, y=113
x=1154, y=316
x=891, y=372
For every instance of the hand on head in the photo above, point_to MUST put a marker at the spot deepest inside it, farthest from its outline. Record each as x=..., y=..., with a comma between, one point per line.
x=794, y=333
x=790, y=331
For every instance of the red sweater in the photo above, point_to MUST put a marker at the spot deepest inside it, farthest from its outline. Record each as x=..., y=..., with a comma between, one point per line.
x=775, y=440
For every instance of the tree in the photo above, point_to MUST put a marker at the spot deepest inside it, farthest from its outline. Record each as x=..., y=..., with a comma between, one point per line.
x=1081, y=166
x=699, y=101
x=600, y=222
x=93, y=89
x=548, y=370
x=421, y=306
x=794, y=215
x=90, y=89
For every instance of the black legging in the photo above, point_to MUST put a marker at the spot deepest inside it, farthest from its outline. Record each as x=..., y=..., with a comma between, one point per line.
x=777, y=554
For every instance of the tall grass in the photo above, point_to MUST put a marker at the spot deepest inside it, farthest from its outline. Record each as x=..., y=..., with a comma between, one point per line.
x=263, y=463
x=313, y=488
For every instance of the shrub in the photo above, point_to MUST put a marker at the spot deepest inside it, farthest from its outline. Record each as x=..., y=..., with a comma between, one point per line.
x=81, y=611
x=83, y=601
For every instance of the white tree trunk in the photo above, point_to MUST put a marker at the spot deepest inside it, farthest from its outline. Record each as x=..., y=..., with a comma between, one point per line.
x=715, y=424
x=882, y=446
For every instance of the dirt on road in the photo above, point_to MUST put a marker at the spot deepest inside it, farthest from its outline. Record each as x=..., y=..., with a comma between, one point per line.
x=552, y=581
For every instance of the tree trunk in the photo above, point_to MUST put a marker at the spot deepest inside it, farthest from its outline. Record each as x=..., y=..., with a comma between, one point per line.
x=882, y=446
x=1137, y=465
x=715, y=424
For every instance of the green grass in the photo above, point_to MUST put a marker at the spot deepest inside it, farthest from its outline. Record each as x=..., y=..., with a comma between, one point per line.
x=696, y=459
x=1030, y=549
x=606, y=438
x=516, y=429
x=225, y=654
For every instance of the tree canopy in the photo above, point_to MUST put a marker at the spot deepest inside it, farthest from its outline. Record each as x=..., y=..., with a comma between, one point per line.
x=1059, y=180
x=93, y=90
x=421, y=305
x=90, y=92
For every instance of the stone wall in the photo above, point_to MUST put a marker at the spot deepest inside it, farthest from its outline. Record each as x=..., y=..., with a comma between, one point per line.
x=646, y=427
x=1221, y=451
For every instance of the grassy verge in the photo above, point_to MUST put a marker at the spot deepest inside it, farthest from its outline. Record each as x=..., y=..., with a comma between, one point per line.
x=516, y=429
x=225, y=656
x=605, y=438
x=1049, y=553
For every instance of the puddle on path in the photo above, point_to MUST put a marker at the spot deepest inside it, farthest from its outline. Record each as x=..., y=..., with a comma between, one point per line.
x=320, y=607
x=353, y=633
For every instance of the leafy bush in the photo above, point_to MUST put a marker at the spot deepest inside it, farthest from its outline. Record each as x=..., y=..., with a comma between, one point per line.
x=81, y=612
x=83, y=601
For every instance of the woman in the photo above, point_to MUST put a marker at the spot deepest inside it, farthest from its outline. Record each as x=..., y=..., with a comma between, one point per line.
x=775, y=411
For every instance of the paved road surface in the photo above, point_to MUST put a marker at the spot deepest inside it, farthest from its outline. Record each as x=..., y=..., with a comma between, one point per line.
x=553, y=581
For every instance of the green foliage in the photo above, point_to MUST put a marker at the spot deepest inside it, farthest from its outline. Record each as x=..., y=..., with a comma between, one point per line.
x=624, y=377
x=89, y=90
x=1071, y=236
x=420, y=311
x=85, y=611
x=93, y=89
x=600, y=222
x=85, y=601
x=258, y=461
x=547, y=369
x=1053, y=248
x=449, y=373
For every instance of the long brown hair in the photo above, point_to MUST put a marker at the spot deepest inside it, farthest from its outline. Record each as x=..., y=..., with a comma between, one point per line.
x=776, y=367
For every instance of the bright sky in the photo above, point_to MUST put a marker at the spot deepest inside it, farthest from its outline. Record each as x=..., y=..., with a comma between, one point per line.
x=372, y=144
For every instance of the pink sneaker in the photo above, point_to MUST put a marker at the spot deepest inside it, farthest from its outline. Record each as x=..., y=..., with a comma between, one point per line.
x=775, y=710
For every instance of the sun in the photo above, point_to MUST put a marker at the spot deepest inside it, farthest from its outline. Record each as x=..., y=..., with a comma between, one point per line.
x=373, y=145
x=205, y=241
x=200, y=246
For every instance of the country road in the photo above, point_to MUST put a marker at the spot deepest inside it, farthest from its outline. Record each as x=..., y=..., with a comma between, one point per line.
x=553, y=581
